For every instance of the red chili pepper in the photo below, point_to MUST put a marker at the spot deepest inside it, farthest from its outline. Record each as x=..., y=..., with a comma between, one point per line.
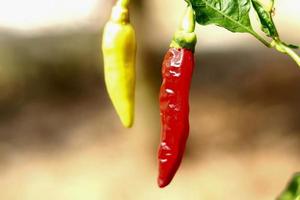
x=177, y=69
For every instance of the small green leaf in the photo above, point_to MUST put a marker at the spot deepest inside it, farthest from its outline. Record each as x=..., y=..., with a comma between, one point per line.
x=292, y=191
x=292, y=46
x=265, y=19
x=230, y=14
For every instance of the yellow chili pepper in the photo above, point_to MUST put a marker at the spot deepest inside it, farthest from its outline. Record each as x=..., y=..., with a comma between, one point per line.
x=119, y=54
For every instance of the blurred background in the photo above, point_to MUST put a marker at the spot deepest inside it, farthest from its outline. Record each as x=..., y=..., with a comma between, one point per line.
x=61, y=139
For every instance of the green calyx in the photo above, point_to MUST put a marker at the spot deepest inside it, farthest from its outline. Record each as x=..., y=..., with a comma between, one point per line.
x=184, y=40
x=185, y=36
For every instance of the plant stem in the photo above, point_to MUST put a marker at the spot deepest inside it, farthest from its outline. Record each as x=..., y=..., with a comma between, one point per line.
x=261, y=39
x=293, y=55
x=281, y=47
x=272, y=4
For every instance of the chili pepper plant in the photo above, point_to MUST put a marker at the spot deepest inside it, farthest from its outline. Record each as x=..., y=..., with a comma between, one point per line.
x=119, y=52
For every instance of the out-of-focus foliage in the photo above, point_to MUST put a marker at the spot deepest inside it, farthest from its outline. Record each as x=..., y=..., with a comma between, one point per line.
x=292, y=192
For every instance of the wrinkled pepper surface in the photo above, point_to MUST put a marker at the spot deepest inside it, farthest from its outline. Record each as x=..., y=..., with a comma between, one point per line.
x=119, y=54
x=177, y=69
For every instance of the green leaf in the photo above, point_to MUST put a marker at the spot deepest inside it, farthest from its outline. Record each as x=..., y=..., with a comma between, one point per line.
x=230, y=14
x=265, y=18
x=234, y=16
x=292, y=46
x=292, y=191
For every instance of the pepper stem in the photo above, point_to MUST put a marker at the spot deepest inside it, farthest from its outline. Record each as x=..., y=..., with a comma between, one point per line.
x=188, y=20
x=120, y=12
x=185, y=36
x=123, y=3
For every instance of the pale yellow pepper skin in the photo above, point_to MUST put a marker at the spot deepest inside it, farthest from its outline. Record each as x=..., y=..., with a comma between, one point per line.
x=119, y=54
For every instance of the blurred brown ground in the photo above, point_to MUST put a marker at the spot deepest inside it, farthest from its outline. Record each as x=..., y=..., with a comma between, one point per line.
x=61, y=139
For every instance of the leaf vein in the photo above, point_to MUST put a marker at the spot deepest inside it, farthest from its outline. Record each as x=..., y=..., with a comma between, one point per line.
x=227, y=17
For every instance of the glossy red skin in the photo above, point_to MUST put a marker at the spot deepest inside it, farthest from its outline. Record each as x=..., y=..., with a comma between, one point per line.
x=177, y=69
